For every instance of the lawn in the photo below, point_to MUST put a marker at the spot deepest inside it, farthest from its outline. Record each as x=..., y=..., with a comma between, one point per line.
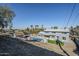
x=54, y=42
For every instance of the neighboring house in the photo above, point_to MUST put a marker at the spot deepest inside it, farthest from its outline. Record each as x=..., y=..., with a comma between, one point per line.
x=52, y=34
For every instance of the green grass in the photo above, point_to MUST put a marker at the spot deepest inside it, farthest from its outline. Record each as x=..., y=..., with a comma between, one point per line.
x=54, y=42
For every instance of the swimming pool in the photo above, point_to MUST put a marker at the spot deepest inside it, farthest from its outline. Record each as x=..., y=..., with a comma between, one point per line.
x=38, y=39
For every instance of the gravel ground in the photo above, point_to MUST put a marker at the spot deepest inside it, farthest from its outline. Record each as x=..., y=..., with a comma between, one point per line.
x=16, y=47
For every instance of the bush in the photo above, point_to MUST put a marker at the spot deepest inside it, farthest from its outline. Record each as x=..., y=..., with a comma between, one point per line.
x=61, y=43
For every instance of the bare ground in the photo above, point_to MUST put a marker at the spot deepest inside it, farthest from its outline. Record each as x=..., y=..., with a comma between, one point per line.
x=19, y=47
x=16, y=47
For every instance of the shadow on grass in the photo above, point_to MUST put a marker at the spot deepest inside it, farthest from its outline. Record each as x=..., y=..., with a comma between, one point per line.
x=16, y=47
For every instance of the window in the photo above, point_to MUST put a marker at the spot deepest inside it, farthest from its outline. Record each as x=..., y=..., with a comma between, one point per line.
x=53, y=32
x=64, y=32
x=46, y=32
x=47, y=36
x=64, y=38
x=53, y=36
x=57, y=37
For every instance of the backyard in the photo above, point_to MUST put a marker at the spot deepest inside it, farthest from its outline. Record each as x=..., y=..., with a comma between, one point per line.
x=19, y=47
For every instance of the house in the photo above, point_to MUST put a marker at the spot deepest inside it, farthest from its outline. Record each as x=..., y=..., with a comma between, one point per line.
x=52, y=34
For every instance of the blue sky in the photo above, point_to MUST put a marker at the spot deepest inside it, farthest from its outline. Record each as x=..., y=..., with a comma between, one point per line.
x=44, y=14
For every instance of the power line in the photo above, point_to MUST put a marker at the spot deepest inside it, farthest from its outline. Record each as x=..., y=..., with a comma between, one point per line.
x=71, y=14
x=64, y=24
x=75, y=19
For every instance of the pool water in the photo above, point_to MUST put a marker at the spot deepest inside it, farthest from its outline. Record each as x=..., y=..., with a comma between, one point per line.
x=38, y=39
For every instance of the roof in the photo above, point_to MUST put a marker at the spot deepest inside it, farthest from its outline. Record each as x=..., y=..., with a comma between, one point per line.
x=44, y=33
x=57, y=30
x=49, y=33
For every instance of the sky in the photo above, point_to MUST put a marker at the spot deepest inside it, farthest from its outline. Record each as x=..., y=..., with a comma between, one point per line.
x=47, y=14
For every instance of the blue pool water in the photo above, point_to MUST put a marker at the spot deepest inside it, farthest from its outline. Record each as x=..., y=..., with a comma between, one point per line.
x=37, y=39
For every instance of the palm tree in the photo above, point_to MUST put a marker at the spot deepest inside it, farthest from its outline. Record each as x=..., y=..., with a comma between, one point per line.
x=36, y=26
x=55, y=27
x=6, y=16
x=31, y=26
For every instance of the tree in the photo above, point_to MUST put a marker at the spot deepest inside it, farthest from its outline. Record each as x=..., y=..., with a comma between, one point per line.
x=77, y=27
x=73, y=32
x=55, y=27
x=27, y=29
x=52, y=27
x=65, y=27
x=6, y=17
x=42, y=26
x=36, y=26
x=77, y=30
x=31, y=26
